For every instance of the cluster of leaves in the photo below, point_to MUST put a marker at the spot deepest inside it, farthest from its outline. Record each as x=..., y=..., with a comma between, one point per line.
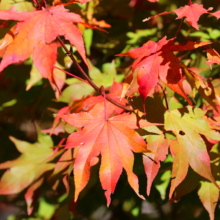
x=163, y=106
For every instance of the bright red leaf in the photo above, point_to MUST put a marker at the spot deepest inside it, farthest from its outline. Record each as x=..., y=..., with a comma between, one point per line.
x=156, y=61
x=190, y=12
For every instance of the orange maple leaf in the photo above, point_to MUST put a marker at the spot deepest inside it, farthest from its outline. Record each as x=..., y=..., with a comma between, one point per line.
x=113, y=138
x=36, y=34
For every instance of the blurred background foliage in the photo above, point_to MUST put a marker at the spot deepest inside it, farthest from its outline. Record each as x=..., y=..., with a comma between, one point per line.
x=26, y=99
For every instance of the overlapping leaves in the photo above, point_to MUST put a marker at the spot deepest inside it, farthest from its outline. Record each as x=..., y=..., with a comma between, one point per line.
x=36, y=34
x=113, y=138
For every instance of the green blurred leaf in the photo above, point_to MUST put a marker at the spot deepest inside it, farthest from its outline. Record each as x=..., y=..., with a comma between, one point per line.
x=135, y=36
x=20, y=5
x=46, y=209
x=29, y=166
x=87, y=36
x=162, y=183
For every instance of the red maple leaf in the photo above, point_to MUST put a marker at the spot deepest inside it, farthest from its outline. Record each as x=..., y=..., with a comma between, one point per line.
x=156, y=61
x=191, y=12
x=36, y=34
x=113, y=138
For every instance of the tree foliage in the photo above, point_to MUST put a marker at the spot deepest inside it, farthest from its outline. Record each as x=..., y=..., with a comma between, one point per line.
x=113, y=86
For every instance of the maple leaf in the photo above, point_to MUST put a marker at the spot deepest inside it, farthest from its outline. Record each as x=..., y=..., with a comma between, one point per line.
x=114, y=139
x=190, y=12
x=156, y=61
x=36, y=34
x=26, y=169
x=190, y=149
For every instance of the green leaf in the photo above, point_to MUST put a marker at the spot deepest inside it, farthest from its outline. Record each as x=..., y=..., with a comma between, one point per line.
x=20, y=5
x=27, y=168
x=87, y=36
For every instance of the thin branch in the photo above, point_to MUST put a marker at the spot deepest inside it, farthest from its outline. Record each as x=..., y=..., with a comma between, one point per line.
x=167, y=106
x=130, y=109
x=183, y=19
x=72, y=75
x=89, y=80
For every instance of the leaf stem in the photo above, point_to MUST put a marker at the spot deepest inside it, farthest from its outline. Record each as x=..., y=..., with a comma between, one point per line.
x=72, y=75
x=183, y=19
x=130, y=109
x=45, y=3
x=167, y=106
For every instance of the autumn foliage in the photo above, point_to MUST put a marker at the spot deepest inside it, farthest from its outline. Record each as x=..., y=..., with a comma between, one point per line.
x=152, y=111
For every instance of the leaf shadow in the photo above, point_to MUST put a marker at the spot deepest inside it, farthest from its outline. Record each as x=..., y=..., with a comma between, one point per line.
x=154, y=107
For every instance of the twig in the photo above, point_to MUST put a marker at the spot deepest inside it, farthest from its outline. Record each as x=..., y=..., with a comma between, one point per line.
x=69, y=53
x=97, y=89
x=167, y=106
x=183, y=19
x=72, y=75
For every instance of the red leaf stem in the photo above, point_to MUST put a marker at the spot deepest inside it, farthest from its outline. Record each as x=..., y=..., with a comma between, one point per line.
x=179, y=28
x=72, y=75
